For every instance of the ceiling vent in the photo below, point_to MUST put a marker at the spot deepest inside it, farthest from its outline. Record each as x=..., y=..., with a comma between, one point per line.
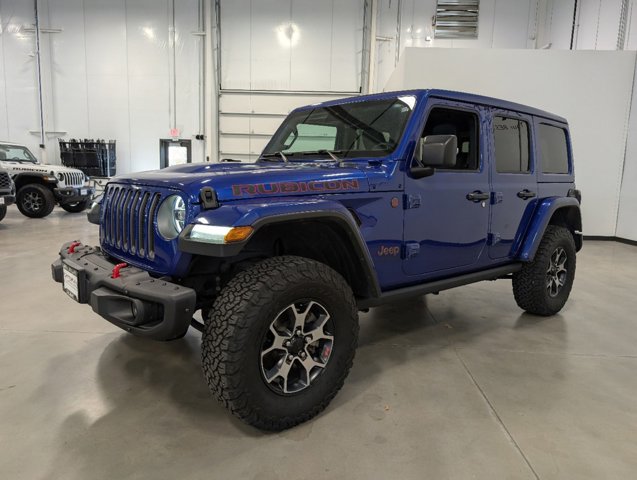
x=456, y=19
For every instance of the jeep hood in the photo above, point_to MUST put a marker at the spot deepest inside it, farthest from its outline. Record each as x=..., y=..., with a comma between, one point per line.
x=38, y=167
x=242, y=181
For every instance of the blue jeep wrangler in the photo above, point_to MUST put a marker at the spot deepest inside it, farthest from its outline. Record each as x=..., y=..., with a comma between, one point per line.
x=353, y=203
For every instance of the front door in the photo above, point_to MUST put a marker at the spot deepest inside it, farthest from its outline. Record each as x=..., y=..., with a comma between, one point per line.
x=447, y=214
x=513, y=182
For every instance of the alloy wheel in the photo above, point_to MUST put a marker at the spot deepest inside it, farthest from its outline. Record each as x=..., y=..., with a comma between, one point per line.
x=297, y=347
x=557, y=272
x=32, y=201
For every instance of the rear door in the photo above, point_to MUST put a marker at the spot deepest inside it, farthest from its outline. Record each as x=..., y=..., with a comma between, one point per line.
x=513, y=181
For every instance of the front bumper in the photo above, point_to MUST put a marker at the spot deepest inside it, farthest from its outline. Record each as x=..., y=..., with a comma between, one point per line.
x=73, y=195
x=7, y=199
x=135, y=302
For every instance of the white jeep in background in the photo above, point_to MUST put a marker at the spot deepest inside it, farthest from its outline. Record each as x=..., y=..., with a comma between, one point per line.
x=7, y=192
x=39, y=187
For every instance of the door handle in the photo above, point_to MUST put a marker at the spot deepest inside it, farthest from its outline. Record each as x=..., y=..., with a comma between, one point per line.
x=526, y=194
x=478, y=196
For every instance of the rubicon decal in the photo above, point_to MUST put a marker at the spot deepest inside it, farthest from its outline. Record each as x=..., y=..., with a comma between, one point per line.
x=316, y=186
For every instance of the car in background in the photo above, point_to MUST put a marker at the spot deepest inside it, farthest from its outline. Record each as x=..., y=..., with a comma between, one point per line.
x=7, y=192
x=40, y=187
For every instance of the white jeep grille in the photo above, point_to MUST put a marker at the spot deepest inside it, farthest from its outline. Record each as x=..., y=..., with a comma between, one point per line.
x=73, y=179
x=5, y=181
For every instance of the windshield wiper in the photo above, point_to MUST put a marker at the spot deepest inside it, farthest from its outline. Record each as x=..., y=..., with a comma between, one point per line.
x=268, y=156
x=331, y=153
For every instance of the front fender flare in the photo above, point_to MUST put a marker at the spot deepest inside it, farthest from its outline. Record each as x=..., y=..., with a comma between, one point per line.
x=261, y=215
x=541, y=218
x=42, y=178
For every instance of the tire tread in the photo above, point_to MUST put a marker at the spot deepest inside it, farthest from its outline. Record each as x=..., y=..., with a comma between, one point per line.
x=228, y=325
x=528, y=283
x=49, y=200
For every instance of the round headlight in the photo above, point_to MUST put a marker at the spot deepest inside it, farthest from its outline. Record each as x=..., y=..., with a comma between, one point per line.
x=179, y=214
x=60, y=177
x=171, y=217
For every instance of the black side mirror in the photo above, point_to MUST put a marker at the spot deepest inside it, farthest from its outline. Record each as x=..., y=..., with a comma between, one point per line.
x=437, y=151
x=422, y=172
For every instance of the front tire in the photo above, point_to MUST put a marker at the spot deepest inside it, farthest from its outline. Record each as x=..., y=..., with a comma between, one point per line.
x=3, y=212
x=543, y=285
x=35, y=201
x=76, y=207
x=279, y=341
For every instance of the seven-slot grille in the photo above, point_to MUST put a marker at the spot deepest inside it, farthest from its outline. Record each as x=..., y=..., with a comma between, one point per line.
x=129, y=218
x=5, y=181
x=73, y=178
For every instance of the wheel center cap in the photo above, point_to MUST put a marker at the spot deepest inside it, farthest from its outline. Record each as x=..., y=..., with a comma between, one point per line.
x=297, y=344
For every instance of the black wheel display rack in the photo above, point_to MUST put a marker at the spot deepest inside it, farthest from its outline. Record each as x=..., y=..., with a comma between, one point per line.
x=96, y=158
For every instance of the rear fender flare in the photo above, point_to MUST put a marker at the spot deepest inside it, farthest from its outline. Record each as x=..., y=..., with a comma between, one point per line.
x=541, y=219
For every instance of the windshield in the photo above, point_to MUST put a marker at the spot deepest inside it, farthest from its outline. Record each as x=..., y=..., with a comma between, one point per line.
x=14, y=153
x=360, y=129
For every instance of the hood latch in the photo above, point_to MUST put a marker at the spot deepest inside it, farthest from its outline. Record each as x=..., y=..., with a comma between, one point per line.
x=208, y=198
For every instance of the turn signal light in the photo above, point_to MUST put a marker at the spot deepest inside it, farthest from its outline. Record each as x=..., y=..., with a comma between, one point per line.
x=238, y=234
x=218, y=234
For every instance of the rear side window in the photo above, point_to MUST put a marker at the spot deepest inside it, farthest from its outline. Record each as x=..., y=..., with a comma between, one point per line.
x=511, y=139
x=552, y=141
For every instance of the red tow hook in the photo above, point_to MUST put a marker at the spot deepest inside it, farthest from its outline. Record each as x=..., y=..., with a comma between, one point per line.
x=117, y=268
x=72, y=247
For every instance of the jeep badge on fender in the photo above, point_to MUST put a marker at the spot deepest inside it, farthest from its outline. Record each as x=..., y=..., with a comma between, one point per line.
x=353, y=203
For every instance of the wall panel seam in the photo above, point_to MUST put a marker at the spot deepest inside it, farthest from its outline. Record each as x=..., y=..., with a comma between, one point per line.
x=630, y=113
x=130, y=134
x=4, y=74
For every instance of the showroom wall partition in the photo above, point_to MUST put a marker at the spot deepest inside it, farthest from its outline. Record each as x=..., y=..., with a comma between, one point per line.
x=597, y=109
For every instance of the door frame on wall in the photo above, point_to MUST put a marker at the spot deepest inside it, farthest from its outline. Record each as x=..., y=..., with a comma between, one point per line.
x=164, y=144
x=300, y=97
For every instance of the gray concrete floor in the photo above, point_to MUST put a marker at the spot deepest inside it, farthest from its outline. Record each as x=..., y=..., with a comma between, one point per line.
x=460, y=385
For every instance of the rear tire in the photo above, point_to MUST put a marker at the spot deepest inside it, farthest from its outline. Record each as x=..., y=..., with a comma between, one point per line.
x=279, y=341
x=543, y=285
x=35, y=201
x=3, y=212
x=77, y=207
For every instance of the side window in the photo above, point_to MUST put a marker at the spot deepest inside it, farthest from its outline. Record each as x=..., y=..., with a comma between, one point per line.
x=310, y=137
x=552, y=141
x=462, y=124
x=511, y=140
